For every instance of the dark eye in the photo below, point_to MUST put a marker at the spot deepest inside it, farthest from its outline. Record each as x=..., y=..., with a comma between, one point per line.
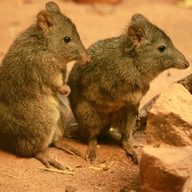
x=67, y=39
x=161, y=48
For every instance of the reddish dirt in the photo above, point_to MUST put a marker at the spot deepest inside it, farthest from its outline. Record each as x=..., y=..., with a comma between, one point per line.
x=93, y=22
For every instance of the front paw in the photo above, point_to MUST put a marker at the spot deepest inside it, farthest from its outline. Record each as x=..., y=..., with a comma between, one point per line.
x=130, y=151
x=64, y=90
x=91, y=155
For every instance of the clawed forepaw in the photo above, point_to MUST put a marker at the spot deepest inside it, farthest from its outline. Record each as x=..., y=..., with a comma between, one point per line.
x=133, y=155
x=91, y=156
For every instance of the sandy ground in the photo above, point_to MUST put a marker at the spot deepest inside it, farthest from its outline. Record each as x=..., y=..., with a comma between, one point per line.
x=94, y=22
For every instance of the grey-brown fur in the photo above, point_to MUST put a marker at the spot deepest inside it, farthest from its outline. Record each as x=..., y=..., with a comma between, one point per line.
x=31, y=77
x=107, y=91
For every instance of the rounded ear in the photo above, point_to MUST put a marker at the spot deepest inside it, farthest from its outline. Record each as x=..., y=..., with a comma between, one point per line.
x=136, y=34
x=45, y=20
x=138, y=19
x=52, y=6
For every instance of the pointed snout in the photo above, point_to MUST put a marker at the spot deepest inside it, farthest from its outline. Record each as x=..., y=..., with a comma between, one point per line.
x=182, y=63
x=84, y=58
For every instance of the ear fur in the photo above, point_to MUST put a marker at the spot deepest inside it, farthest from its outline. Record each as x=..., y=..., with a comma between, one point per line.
x=51, y=6
x=45, y=21
x=136, y=34
x=139, y=19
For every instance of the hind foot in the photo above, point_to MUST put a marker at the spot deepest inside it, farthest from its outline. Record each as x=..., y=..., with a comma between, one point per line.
x=68, y=149
x=47, y=161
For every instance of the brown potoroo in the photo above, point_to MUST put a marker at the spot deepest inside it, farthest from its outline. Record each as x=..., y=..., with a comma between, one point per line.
x=31, y=77
x=107, y=91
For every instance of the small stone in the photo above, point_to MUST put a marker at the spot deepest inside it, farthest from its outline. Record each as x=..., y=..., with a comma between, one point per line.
x=70, y=189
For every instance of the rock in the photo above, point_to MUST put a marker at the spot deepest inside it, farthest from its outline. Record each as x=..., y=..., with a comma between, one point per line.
x=170, y=119
x=187, y=187
x=166, y=164
x=164, y=169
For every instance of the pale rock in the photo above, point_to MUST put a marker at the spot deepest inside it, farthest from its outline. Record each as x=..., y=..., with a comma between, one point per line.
x=169, y=127
x=170, y=118
x=165, y=169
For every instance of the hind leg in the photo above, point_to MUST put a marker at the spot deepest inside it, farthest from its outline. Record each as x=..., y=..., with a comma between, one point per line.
x=125, y=120
x=100, y=126
x=61, y=127
x=126, y=136
x=90, y=123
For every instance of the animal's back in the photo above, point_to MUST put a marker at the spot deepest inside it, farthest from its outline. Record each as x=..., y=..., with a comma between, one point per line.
x=106, y=79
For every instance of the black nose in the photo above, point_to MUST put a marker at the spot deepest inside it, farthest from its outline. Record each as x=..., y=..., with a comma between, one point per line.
x=187, y=65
